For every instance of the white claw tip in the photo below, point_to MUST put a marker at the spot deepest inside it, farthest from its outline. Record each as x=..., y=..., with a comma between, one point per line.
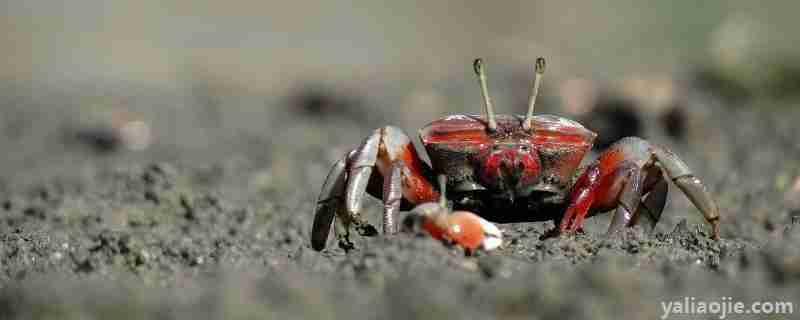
x=493, y=236
x=491, y=243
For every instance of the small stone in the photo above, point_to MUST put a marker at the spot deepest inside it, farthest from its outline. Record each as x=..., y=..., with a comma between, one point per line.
x=792, y=197
x=117, y=130
x=145, y=255
x=681, y=228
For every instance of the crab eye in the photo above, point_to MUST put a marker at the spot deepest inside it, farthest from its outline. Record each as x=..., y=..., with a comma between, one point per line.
x=524, y=148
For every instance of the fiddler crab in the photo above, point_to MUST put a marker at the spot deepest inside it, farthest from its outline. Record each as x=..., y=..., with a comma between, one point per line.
x=500, y=168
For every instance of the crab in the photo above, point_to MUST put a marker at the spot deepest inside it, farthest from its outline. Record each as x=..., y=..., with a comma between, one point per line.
x=504, y=169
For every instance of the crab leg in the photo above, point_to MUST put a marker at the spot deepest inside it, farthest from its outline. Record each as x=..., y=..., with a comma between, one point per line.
x=341, y=228
x=331, y=204
x=392, y=196
x=620, y=178
x=651, y=207
x=582, y=197
x=386, y=158
x=692, y=187
x=629, y=197
x=330, y=201
x=633, y=206
x=359, y=167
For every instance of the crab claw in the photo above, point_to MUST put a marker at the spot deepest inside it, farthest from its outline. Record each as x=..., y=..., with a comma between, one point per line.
x=492, y=236
x=462, y=228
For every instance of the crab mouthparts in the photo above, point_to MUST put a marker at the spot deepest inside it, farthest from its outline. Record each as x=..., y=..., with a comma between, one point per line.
x=509, y=180
x=547, y=192
x=510, y=195
x=545, y=187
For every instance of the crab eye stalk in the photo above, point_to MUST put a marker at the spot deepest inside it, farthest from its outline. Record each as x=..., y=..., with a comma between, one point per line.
x=537, y=82
x=480, y=71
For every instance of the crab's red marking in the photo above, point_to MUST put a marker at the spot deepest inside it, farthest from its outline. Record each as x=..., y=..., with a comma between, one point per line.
x=473, y=129
x=598, y=187
x=560, y=135
x=611, y=160
x=532, y=167
x=458, y=129
x=564, y=141
x=433, y=230
x=582, y=197
x=612, y=179
x=511, y=161
x=466, y=230
x=416, y=188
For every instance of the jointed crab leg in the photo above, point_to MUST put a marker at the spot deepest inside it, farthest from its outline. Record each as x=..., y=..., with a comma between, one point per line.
x=630, y=175
x=330, y=201
x=694, y=189
x=650, y=208
x=359, y=168
x=623, y=174
x=400, y=173
x=392, y=196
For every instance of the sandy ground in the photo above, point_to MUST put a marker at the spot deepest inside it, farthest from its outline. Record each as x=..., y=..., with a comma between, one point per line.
x=212, y=221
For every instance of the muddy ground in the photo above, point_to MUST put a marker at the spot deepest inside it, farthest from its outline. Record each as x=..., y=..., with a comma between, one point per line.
x=212, y=221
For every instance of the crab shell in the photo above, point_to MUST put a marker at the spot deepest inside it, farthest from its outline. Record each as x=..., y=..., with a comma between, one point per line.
x=510, y=161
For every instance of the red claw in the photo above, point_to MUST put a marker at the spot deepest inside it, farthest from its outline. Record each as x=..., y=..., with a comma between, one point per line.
x=463, y=228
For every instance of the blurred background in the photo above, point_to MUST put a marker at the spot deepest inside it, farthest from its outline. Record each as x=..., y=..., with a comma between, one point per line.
x=267, y=80
x=242, y=106
x=190, y=74
x=268, y=46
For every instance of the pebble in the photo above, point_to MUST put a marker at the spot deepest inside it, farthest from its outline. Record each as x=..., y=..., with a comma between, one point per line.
x=792, y=200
